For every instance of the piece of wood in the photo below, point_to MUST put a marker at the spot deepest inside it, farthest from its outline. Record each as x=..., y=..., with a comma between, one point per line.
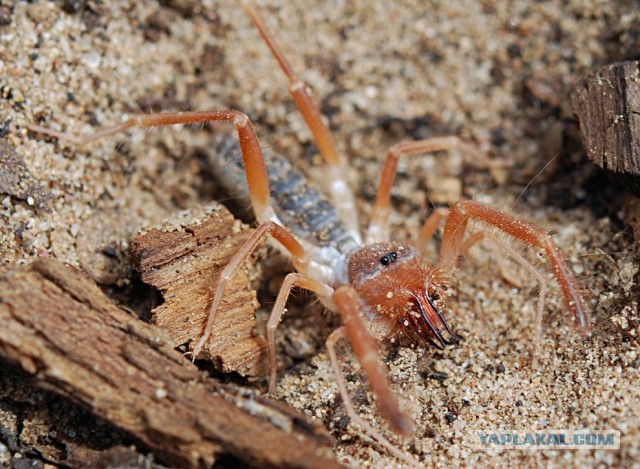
x=607, y=104
x=59, y=327
x=183, y=259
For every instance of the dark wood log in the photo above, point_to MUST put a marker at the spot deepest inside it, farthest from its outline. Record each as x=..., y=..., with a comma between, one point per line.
x=59, y=327
x=607, y=104
x=183, y=259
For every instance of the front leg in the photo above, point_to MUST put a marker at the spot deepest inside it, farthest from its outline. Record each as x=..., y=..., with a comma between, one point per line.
x=453, y=243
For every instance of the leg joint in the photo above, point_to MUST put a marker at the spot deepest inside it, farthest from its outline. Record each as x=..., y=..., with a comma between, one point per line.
x=240, y=119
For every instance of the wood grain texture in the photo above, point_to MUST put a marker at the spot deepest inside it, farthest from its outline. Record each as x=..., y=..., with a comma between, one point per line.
x=607, y=103
x=60, y=328
x=183, y=259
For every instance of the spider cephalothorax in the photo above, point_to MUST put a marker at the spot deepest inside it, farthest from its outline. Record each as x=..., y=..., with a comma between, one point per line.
x=399, y=285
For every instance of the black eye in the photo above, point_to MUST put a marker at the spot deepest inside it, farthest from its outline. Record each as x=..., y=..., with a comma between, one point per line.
x=388, y=258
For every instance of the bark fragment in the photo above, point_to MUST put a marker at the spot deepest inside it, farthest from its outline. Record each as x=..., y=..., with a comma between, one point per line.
x=607, y=103
x=183, y=259
x=60, y=328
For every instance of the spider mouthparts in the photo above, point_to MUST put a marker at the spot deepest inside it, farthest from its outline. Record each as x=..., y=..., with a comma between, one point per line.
x=436, y=325
x=435, y=344
x=443, y=321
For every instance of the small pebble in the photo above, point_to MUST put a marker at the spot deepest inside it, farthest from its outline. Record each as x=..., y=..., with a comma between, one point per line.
x=92, y=59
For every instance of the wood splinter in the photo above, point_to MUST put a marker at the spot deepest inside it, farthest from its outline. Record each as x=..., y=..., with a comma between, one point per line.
x=183, y=259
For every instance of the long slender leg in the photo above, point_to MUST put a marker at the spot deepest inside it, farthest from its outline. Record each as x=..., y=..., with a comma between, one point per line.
x=478, y=236
x=332, y=340
x=430, y=227
x=255, y=167
x=500, y=249
x=541, y=295
x=378, y=230
x=286, y=239
x=290, y=281
x=349, y=305
x=257, y=181
x=452, y=243
x=341, y=194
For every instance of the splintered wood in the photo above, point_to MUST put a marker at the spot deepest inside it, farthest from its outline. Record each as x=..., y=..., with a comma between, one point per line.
x=183, y=260
x=59, y=327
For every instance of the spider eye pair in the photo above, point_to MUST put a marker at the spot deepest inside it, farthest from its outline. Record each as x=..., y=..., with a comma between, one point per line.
x=388, y=258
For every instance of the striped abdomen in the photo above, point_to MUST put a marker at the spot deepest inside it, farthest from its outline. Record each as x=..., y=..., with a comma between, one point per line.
x=301, y=207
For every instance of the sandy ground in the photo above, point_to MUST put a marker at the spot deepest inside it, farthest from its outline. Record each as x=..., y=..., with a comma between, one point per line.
x=496, y=74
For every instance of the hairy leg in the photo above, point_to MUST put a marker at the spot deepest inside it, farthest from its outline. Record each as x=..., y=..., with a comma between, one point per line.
x=430, y=227
x=332, y=341
x=501, y=249
x=341, y=195
x=255, y=167
x=541, y=295
x=282, y=236
x=453, y=242
x=290, y=281
x=478, y=236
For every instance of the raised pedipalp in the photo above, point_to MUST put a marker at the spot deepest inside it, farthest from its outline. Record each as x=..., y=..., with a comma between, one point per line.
x=453, y=242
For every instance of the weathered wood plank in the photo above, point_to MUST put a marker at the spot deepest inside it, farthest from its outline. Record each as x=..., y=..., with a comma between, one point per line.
x=59, y=327
x=607, y=103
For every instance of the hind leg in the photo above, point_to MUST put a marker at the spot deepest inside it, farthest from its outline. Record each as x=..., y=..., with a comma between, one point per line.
x=335, y=180
x=255, y=167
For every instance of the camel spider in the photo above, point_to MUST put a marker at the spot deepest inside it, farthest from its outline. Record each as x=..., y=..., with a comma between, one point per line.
x=379, y=287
